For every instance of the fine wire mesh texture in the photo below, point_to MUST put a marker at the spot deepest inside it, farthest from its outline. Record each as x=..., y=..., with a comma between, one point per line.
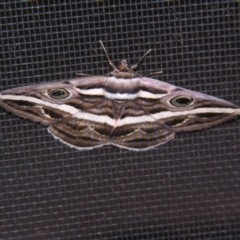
x=187, y=188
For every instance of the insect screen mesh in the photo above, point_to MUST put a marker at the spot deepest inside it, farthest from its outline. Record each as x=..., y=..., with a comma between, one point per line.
x=187, y=188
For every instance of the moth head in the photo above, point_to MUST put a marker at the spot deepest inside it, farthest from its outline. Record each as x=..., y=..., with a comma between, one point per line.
x=124, y=66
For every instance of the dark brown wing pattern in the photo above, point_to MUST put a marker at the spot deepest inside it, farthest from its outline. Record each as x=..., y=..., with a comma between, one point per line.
x=123, y=109
x=135, y=114
x=85, y=133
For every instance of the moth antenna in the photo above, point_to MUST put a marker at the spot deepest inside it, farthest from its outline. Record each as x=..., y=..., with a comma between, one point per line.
x=135, y=66
x=108, y=59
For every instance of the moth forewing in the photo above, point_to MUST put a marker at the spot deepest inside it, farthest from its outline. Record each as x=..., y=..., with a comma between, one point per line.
x=122, y=109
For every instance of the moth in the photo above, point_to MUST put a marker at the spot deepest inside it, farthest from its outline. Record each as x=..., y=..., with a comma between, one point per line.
x=123, y=108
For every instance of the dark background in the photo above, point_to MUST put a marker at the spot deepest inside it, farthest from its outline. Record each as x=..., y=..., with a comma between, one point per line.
x=187, y=188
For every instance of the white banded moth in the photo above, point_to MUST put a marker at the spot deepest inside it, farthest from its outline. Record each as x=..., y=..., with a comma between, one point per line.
x=122, y=108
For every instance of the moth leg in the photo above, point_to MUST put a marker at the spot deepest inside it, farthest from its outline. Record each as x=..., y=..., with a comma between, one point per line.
x=83, y=74
x=153, y=73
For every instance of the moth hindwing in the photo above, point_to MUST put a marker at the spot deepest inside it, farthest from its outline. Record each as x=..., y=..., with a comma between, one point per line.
x=122, y=108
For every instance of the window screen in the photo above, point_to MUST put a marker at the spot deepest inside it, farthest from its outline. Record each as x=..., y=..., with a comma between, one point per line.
x=187, y=188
